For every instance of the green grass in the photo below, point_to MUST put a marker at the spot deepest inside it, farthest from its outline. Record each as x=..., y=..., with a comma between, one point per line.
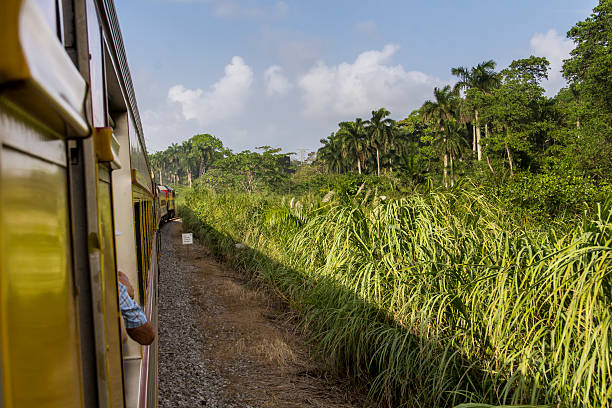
x=434, y=300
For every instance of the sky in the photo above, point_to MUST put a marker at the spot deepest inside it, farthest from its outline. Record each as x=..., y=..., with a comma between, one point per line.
x=284, y=73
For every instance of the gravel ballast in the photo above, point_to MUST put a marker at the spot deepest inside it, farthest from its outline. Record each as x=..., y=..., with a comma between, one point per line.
x=225, y=344
x=186, y=378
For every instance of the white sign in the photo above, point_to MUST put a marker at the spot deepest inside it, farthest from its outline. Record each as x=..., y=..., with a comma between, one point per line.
x=188, y=239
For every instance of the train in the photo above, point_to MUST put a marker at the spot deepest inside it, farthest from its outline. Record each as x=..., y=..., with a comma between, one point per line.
x=78, y=203
x=166, y=198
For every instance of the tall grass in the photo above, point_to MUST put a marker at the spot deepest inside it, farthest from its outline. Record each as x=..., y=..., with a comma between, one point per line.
x=437, y=299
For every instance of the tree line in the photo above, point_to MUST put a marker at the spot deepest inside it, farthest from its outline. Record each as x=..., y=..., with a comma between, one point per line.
x=494, y=128
x=204, y=157
x=188, y=160
x=498, y=122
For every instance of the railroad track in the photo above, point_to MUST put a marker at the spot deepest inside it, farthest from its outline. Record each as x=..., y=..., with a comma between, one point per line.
x=223, y=344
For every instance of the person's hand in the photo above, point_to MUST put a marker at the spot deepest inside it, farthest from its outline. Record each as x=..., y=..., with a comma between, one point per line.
x=144, y=334
x=126, y=282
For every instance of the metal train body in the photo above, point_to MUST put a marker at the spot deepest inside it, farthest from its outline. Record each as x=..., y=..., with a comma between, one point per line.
x=166, y=198
x=77, y=205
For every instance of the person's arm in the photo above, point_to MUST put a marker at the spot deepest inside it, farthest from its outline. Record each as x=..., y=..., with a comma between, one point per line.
x=124, y=334
x=144, y=334
x=136, y=324
x=123, y=278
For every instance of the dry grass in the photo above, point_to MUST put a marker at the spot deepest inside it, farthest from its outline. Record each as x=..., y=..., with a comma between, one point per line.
x=255, y=346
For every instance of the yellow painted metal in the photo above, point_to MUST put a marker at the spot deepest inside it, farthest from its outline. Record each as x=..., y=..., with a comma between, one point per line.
x=171, y=200
x=103, y=137
x=109, y=288
x=40, y=75
x=13, y=64
x=107, y=146
x=40, y=349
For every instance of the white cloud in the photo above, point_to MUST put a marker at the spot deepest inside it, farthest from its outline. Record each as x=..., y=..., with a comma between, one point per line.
x=225, y=99
x=555, y=48
x=276, y=82
x=368, y=83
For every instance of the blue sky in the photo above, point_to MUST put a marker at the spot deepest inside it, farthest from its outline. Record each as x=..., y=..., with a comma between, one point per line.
x=284, y=73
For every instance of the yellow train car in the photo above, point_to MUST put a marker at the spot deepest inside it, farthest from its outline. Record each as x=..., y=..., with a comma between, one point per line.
x=171, y=203
x=165, y=202
x=164, y=198
x=77, y=204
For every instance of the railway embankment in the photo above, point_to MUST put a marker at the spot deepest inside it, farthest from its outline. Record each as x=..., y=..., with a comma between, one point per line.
x=222, y=343
x=442, y=299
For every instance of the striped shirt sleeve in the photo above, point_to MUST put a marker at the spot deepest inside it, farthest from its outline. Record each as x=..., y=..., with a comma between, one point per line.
x=132, y=313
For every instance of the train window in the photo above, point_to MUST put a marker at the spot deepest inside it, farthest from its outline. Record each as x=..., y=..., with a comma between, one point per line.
x=145, y=225
x=143, y=216
x=138, y=233
x=96, y=72
x=67, y=32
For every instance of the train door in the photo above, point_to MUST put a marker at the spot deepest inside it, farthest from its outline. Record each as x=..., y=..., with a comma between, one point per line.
x=41, y=104
x=38, y=320
x=109, y=287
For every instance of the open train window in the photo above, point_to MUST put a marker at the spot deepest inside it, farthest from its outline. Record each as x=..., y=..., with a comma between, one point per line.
x=138, y=235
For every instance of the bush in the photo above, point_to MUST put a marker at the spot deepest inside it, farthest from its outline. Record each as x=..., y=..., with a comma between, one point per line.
x=553, y=195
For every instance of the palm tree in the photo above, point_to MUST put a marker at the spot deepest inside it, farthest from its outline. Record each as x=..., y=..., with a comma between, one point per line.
x=453, y=132
x=405, y=147
x=157, y=165
x=174, y=159
x=482, y=78
x=437, y=113
x=331, y=154
x=205, y=147
x=187, y=159
x=354, y=140
x=379, y=129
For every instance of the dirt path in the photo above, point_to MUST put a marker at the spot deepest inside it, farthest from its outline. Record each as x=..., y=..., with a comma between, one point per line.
x=223, y=344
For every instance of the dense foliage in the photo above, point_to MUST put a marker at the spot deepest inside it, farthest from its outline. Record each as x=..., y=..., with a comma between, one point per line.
x=204, y=157
x=501, y=118
x=432, y=299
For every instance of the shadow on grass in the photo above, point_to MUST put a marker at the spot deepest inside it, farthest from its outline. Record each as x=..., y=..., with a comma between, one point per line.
x=356, y=338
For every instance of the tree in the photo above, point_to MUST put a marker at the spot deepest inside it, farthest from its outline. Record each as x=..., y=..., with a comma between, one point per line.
x=249, y=170
x=174, y=159
x=206, y=148
x=532, y=69
x=516, y=111
x=354, y=140
x=331, y=154
x=414, y=151
x=157, y=162
x=439, y=111
x=479, y=79
x=379, y=129
x=453, y=144
x=590, y=64
x=187, y=159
